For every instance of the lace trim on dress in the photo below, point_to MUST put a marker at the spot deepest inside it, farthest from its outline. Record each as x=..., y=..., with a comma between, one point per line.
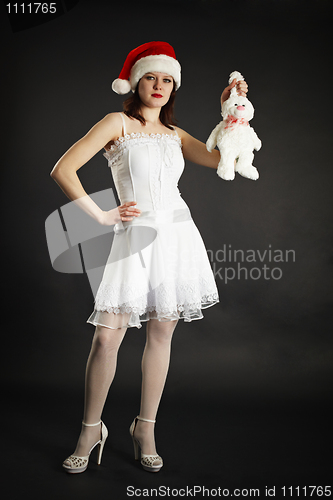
x=125, y=308
x=134, y=317
x=168, y=296
x=116, y=150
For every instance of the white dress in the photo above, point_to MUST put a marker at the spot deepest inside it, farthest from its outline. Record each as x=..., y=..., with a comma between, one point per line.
x=158, y=265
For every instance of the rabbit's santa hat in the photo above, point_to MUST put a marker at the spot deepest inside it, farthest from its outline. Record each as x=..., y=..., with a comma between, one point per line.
x=149, y=57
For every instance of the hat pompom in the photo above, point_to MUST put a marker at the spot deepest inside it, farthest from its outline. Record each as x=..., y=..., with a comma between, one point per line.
x=121, y=86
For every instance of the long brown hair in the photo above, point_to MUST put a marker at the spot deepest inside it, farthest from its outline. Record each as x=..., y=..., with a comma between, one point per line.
x=133, y=104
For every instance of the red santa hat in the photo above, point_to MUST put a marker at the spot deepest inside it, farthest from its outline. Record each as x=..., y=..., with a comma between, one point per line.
x=151, y=56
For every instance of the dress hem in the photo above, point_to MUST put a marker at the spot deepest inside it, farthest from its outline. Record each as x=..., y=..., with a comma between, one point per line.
x=187, y=317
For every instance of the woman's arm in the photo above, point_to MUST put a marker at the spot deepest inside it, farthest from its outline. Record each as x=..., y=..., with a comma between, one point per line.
x=196, y=151
x=64, y=171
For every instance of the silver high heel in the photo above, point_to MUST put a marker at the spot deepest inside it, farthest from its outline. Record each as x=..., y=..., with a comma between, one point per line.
x=147, y=461
x=74, y=464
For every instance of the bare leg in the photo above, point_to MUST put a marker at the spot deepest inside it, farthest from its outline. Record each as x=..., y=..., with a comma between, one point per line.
x=155, y=364
x=100, y=371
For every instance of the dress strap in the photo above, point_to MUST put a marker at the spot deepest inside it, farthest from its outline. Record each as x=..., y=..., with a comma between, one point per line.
x=124, y=125
x=175, y=131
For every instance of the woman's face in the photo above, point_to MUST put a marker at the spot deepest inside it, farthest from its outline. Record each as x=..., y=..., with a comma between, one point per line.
x=155, y=89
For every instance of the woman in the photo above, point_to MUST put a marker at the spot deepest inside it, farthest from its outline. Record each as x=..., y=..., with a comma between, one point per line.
x=158, y=270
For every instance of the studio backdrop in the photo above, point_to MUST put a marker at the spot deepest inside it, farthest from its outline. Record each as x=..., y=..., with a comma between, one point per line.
x=269, y=241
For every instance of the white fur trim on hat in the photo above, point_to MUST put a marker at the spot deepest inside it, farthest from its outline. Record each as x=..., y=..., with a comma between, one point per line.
x=160, y=63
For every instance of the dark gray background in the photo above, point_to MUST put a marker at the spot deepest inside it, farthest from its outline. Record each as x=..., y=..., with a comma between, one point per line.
x=258, y=367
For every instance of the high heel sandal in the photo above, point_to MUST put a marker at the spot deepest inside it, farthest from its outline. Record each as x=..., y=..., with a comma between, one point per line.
x=78, y=464
x=147, y=461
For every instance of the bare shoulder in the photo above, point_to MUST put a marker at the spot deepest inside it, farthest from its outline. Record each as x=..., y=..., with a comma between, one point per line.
x=186, y=138
x=113, y=117
x=196, y=151
x=182, y=134
x=112, y=123
x=178, y=130
x=107, y=129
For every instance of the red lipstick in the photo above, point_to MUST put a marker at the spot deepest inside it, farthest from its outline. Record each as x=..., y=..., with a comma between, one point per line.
x=157, y=95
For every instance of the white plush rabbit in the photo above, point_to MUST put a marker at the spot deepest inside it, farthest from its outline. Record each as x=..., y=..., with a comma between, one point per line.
x=234, y=137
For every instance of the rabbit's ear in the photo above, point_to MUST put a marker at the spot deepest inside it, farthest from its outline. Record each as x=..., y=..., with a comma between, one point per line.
x=235, y=74
x=232, y=76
